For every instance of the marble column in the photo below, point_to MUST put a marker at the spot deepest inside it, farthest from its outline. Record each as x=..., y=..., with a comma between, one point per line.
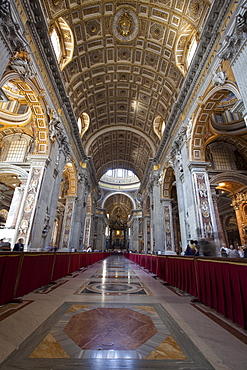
x=157, y=214
x=134, y=230
x=15, y=206
x=87, y=232
x=168, y=226
x=100, y=232
x=31, y=196
x=146, y=233
x=239, y=200
x=80, y=210
x=47, y=205
x=204, y=203
x=240, y=223
x=185, y=197
x=67, y=230
x=221, y=234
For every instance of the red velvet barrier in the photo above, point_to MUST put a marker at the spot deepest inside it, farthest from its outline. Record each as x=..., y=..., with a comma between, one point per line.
x=61, y=265
x=161, y=268
x=148, y=262
x=140, y=259
x=218, y=283
x=154, y=263
x=9, y=263
x=35, y=272
x=181, y=274
x=75, y=262
x=21, y=273
x=222, y=286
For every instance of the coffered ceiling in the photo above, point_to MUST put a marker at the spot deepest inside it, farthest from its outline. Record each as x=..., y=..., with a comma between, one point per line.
x=128, y=65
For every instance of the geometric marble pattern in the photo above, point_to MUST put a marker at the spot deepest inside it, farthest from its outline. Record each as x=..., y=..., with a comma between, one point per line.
x=102, y=333
x=113, y=288
x=109, y=335
x=12, y=307
x=50, y=287
x=104, y=328
x=145, y=334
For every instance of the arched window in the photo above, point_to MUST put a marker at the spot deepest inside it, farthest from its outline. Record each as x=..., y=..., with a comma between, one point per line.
x=83, y=123
x=15, y=148
x=56, y=43
x=63, y=42
x=159, y=126
x=191, y=50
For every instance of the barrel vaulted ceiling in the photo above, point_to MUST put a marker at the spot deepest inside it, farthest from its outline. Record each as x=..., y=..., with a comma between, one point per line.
x=128, y=65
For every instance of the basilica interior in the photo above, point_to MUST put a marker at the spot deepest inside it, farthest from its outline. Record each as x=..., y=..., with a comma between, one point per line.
x=124, y=122
x=123, y=132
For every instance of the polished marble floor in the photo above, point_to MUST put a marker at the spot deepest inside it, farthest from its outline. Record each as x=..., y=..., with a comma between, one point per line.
x=115, y=315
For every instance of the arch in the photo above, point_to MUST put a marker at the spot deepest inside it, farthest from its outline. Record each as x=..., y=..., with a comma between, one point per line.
x=9, y=168
x=200, y=126
x=64, y=40
x=36, y=126
x=168, y=181
x=83, y=123
x=147, y=206
x=118, y=192
x=183, y=48
x=121, y=128
x=224, y=177
x=69, y=181
x=159, y=126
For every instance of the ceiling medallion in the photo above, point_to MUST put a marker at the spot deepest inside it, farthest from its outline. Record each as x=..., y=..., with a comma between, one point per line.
x=125, y=24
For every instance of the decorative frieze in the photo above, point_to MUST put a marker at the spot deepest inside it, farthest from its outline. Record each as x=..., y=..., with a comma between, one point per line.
x=203, y=205
x=29, y=205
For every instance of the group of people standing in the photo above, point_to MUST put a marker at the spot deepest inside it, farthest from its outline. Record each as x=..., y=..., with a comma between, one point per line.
x=207, y=247
x=6, y=247
x=234, y=252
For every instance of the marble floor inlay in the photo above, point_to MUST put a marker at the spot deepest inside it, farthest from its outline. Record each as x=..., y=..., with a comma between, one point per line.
x=143, y=333
x=49, y=287
x=10, y=308
x=113, y=288
x=110, y=331
x=111, y=320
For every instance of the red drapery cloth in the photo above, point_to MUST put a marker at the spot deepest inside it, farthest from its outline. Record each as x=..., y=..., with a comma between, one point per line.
x=9, y=264
x=35, y=272
x=223, y=287
x=219, y=284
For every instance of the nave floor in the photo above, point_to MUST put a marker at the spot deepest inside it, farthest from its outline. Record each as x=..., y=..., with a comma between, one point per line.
x=113, y=315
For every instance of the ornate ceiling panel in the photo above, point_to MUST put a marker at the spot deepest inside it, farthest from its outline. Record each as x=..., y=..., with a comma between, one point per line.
x=125, y=71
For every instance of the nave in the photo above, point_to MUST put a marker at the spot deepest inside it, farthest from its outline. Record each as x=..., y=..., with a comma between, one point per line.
x=114, y=315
